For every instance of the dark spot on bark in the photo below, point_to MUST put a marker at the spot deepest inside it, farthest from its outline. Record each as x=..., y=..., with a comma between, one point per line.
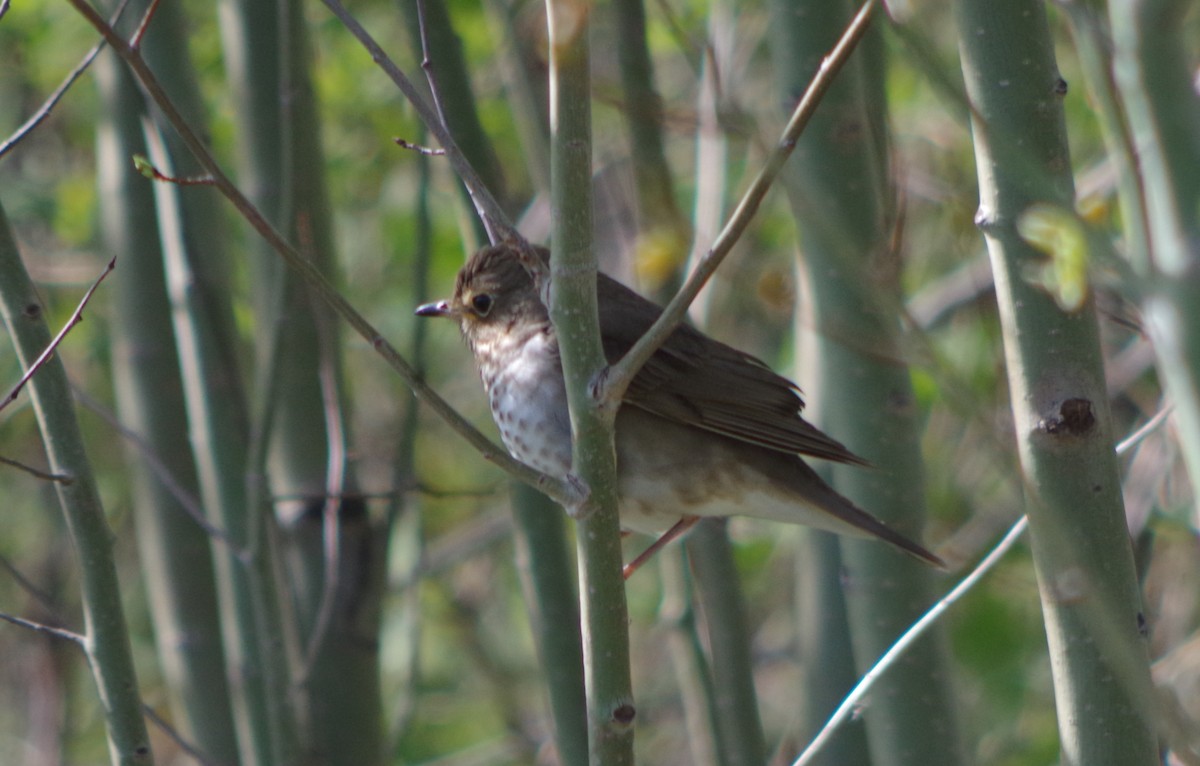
x=32, y=311
x=1060, y=87
x=1075, y=417
x=624, y=714
x=1143, y=627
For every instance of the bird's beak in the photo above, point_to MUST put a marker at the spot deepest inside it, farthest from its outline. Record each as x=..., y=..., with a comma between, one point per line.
x=438, y=309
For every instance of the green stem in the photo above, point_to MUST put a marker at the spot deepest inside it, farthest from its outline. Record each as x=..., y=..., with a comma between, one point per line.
x=573, y=310
x=1090, y=599
x=175, y=550
x=106, y=635
x=735, y=700
x=544, y=562
x=850, y=334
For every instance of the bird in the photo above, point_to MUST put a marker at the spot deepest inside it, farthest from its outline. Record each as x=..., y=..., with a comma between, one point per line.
x=702, y=430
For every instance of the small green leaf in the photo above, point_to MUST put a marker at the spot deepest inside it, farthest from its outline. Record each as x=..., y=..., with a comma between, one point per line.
x=1059, y=234
x=143, y=166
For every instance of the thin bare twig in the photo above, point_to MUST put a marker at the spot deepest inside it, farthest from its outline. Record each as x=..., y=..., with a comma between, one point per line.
x=335, y=485
x=427, y=66
x=176, y=737
x=613, y=382
x=44, y=110
x=428, y=151
x=1129, y=442
x=144, y=166
x=36, y=472
x=63, y=633
x=135, y=42
x=75, y=319
x=562, y=491
x=499, y=228
x=42, y=598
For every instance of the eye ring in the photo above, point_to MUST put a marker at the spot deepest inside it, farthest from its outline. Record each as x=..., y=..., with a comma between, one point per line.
x=482, y=303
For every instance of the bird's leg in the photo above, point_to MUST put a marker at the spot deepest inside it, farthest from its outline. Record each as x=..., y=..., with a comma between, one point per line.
x=681, y=526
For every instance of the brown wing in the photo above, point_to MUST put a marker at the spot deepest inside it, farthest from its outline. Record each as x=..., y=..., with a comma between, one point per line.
x=695, y=380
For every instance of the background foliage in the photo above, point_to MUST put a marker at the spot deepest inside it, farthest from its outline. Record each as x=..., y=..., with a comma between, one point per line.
x=460, y=678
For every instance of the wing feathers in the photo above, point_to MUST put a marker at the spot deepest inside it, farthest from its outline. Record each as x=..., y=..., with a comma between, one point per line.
x=703, y=383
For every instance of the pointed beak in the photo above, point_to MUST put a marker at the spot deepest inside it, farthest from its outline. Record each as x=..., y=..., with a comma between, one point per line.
x=438, y=309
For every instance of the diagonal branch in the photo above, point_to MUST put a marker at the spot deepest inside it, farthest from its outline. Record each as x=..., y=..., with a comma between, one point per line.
x=44, y=110
x=75, y=319
x=613, y=382
x=494, y=220
x=38, y=627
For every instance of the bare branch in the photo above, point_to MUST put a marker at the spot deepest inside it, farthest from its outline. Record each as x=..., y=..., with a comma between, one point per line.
x=146, y=168
x=44, y=110
x=36, y=472
x=427, y=67
x=429, y=151
x=498, y=226
x=175, y=736
x=135, y=42
x=610, y=388
x=75, y=319
x=64, y=634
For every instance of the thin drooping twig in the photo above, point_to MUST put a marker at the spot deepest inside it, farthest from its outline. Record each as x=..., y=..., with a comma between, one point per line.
x=611, y=387
x=44, y=110
x=35, y=472
x=75, y=319
x=562, y=491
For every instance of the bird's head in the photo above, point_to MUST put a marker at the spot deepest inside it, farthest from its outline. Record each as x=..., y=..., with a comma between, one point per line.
x=494, y=292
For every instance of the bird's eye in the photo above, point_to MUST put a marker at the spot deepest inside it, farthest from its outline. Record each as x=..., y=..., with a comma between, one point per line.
x=482, y=304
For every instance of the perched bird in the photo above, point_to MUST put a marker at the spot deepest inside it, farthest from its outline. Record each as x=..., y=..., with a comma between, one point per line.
x=703, y=429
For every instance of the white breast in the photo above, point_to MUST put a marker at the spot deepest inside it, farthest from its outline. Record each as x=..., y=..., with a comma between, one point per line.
x=529, y=403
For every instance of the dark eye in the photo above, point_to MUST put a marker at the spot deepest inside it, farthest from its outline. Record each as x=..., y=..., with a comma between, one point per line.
x=482, y=304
